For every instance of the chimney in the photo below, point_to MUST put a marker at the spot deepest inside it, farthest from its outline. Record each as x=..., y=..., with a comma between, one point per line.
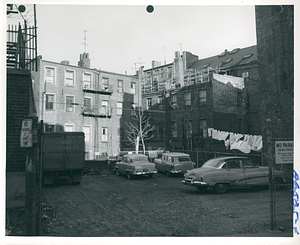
x=84, y=60
x=65, y=62
x=155, y=63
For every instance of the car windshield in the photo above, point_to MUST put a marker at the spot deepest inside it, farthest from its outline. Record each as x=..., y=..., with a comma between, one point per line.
x=213, y=163
x=183, y=159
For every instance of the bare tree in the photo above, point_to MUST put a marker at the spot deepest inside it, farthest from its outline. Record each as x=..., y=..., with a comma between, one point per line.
x=139, y=130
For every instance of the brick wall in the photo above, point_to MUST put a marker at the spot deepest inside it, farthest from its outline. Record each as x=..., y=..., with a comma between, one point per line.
x=18, y=97
x=275, y=46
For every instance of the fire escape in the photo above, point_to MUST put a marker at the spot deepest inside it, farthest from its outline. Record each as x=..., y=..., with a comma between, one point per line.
x=21, y=51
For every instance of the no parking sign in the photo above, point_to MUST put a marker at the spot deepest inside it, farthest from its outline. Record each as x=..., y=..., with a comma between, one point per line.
x=284, y=152
x=26, y=133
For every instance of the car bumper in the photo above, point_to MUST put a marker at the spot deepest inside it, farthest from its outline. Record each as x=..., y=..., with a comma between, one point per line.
x=177, y=171
x=194, y=182
x=144, y=172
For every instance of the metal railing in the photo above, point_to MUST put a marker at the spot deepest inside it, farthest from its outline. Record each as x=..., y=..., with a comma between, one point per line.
x=21, y=51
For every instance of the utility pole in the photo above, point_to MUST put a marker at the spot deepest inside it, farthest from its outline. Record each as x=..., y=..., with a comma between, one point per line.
x=270, y=163
x=28, y=140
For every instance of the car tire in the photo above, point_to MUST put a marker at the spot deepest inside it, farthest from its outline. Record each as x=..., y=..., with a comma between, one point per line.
x=220, y=188
x=201, y=188
x=117, y=172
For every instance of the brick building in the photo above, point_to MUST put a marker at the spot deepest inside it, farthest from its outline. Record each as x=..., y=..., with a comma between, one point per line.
x=19, y=105
x=78, y=98
x=174, y=95
x=275, y=48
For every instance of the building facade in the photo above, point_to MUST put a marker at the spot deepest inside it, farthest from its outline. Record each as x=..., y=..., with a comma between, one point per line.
x=191, y=95
x=78, y=98
x=275, y=46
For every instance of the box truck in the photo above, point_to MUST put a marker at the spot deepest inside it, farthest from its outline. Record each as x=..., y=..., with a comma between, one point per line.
x=62, y=155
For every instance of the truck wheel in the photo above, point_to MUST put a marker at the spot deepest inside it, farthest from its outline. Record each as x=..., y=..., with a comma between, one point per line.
x=76, y=178
x=47, y=180
x=220, y=188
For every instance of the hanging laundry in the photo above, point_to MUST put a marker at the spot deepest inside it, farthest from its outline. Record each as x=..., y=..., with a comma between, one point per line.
x=257, y=143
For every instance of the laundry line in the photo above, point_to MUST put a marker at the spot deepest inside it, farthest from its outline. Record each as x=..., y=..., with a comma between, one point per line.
x=235, y=141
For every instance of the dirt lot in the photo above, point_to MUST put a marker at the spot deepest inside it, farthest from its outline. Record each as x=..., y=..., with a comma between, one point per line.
x=106, y=205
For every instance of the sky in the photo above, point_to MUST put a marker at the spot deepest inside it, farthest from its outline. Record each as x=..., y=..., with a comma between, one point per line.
x=121, y=38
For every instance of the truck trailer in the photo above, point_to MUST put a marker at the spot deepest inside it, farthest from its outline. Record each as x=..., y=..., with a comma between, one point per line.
x=63, y=154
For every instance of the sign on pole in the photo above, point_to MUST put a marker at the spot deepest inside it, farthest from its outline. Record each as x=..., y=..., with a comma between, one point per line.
x=26, y=133
x=284, y=152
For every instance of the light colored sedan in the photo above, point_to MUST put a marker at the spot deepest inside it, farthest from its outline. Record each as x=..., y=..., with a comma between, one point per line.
x=135, y=165
x=223, y=172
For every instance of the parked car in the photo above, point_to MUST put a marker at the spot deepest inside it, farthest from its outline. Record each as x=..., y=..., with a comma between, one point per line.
x=174, y=163
x=223, y=172
x=134, y=165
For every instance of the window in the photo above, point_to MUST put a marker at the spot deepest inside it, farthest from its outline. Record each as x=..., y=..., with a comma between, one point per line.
x=188, y=128
x=50, y=102
x=104, y=134
x=87, y=104
x=105, y=83
x=70, y=103
x=69, y=127
x=49, y=128
x=233, y=164
x=133, y=110
x=119, y=108
x=187, y=98
x=155, y=85
x=149, y=103
x=132, y=88
x=160, y=131
x=104, y=106
x=104, y=103
x=69, y=78
x=202, y=96
x=120, y=86
x=160, y=100
x=87, y=133
x=240, y=100
x=174, y=129
x=248, y=163
x=120, y=131
x=87, y=79
x=50, y=75
x=203, y=128
x=174, y=100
